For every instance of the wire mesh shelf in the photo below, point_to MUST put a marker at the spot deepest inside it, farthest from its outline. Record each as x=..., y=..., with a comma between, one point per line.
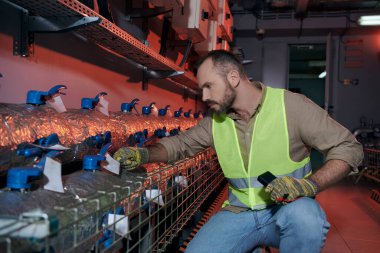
x=143, y=214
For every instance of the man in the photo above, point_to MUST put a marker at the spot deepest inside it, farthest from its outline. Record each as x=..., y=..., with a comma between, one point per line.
x=255, y=129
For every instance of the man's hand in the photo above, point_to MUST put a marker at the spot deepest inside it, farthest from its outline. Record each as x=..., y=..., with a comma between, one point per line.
x=287, y=189
x=130, y=157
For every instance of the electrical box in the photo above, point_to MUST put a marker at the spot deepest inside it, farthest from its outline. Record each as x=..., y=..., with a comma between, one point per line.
x=213, y=41
x=225, y=19
x=191, y=21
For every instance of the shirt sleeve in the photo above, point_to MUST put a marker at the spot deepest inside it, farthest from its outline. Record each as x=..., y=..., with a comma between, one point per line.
x=190, y=142
x=318, y=130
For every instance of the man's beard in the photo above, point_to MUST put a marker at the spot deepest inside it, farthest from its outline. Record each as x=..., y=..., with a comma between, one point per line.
x=226, y=103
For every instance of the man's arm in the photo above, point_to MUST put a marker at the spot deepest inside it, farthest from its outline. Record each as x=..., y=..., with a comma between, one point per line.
x=315, y=128
x=330, y=173
x=157, y=153
x=169, y=149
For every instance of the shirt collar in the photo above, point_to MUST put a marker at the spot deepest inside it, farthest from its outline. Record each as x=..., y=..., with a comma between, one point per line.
x=233, y=115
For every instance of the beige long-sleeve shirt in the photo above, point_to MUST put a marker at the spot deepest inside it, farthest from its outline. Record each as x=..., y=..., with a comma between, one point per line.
x=309, y=126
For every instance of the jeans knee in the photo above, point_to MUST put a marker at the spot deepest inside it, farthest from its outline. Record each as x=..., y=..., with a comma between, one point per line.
x=303, y=216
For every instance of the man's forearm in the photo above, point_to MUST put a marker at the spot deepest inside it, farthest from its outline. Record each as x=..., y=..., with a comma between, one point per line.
x=157, y=153
x=331, y=172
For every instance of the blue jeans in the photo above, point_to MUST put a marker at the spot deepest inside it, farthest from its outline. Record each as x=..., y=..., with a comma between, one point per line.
x=300, y=226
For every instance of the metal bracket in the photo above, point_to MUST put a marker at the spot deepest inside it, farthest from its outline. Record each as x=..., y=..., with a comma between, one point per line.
x=23, y=44
x=145, y=80
x=182, y=43
x=166, y=24
x=59, y=24
x=157, y=74
x=185, y=95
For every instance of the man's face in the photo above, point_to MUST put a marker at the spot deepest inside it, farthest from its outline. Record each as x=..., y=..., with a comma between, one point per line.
x=217, y=92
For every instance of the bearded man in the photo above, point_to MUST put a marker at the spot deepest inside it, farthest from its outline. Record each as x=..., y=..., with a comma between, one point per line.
x=255, y=129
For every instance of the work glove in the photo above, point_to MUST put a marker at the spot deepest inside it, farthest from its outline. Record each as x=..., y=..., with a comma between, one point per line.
x=130, y=157
x=287, y=189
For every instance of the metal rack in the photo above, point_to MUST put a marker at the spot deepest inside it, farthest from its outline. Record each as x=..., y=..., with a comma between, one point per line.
x=107, y=35
x=371, y=165
x=128, y=217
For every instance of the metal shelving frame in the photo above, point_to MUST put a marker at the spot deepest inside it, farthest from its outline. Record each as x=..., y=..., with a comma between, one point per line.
x=108, y=35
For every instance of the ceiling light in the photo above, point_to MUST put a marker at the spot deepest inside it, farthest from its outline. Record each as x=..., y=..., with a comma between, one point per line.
x=369, y=20
x=322, y=75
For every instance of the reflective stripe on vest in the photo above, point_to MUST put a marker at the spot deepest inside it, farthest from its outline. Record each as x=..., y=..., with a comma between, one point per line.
x=269, y=152
x=253, y=182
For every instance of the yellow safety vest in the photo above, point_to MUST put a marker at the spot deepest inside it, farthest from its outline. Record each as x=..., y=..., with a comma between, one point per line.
x=269, y=152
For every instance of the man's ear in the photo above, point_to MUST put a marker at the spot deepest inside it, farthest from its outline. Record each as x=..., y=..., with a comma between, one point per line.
x=234, y=78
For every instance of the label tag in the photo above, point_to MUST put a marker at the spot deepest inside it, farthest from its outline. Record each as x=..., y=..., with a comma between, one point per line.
x=181, y=180
x=154, y=111
x=121, y=224
x=52, y=171
x=113, y=165
x=154, y=195
x=57, y=103
x=103, y=106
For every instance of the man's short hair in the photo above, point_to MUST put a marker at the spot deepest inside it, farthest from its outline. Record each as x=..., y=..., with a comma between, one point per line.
x=224, y=61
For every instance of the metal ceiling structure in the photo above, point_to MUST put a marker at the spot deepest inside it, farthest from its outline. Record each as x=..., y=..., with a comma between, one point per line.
x=301, y=17
x=303, y=7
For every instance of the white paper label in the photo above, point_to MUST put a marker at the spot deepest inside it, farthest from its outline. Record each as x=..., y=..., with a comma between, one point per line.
x=52, y=171
x=154, y=111
x=54, y=147
x=57, y=103
x=24, y=229
x=121, y=224
x=113, y=165
x=181, y=180
x=154, y=195
x=103, y=106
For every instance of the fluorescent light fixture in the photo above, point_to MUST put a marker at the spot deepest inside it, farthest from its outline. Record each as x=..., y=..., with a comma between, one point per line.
x=322, y=75
x=369, y=20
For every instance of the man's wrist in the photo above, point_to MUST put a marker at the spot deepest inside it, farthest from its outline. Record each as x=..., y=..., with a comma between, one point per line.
x=313, y=185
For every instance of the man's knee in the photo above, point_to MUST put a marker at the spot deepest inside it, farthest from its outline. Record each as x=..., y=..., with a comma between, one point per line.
x=303, y=216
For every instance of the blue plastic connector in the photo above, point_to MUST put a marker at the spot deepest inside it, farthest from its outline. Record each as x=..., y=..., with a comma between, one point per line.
x=90, y=103
x=145, y=133
x=29, y=152
x=147, y=109
x=174, y=132
x=162, y=112
x=187, y=114
x=19, y=178
x=128, y=107
x=51, y=140
x=92, y=162
x=197, y=114
x=178, y=113
x=36, y=97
